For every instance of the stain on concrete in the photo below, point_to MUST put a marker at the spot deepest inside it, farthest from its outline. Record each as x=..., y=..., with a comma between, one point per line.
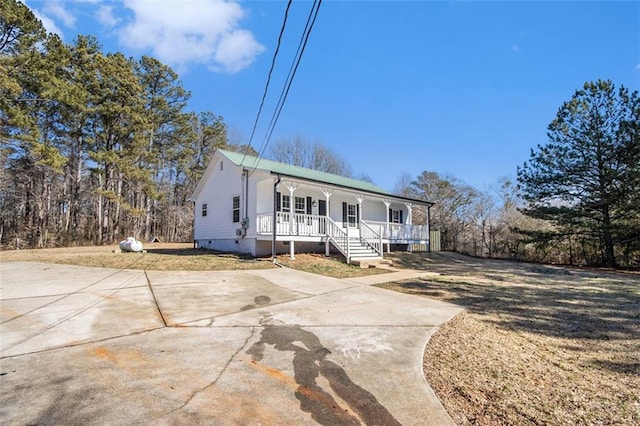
x=309, y=362
x=257, y=302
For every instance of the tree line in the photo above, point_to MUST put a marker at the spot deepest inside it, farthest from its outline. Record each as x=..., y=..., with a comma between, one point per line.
x=576, y=200
x=95, y=146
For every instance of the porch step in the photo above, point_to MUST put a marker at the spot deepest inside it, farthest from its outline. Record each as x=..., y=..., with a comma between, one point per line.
x=368, y=262
x=361, y=254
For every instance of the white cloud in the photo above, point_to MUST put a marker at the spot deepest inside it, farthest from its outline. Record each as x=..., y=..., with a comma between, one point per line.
x=48, y=23
x=237, y=50
x=638, y=67
x=106, y=17
x=205, y=31
x=57, y=9
x=515, y=47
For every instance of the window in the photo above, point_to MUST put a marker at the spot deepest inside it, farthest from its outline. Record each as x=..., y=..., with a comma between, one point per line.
x=299, y=205
x=352, y=215
x=395, y=216
x=236, y=209
x=286, y=203
x=204, y=209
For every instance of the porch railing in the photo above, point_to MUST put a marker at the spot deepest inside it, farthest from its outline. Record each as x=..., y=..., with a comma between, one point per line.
x=292, y=224
x=372, y=238
x=401, y=231
x=339, y=238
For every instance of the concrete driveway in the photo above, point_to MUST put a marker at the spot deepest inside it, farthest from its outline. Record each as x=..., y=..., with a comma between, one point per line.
x=86, y=345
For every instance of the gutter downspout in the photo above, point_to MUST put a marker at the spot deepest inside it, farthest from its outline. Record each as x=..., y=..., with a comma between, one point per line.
x=245, y=172
x=273, y=223
x=429, y=228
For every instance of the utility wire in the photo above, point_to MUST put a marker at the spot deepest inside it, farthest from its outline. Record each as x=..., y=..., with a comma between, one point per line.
x=294, y=65
x=311, y=19
x=266, y=87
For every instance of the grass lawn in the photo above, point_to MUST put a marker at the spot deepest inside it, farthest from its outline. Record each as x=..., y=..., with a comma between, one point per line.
x=182, y=257
x=536, y=345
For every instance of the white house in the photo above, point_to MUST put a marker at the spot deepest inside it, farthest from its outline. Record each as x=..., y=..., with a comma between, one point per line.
x=249, y=205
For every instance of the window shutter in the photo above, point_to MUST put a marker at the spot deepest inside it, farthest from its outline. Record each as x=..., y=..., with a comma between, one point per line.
x=390, y=215
x=357, y=213
x=309, y=205
x=278, y=202
x=401, y=217
x=344, y=214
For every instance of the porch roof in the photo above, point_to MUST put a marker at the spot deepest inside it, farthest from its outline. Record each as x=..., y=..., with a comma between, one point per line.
x=316, y=176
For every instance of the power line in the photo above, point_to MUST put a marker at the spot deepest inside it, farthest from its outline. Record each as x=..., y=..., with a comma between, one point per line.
x=266, y=87
x=311, y=19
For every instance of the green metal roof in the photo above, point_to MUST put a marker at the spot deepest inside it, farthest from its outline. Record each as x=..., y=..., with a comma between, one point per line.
x=302, y=173
x=311, y=175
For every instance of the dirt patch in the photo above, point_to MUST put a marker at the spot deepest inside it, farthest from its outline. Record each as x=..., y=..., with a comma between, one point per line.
x=536, y=345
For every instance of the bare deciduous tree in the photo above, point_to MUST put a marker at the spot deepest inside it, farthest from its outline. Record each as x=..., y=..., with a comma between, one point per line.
x=313, y=155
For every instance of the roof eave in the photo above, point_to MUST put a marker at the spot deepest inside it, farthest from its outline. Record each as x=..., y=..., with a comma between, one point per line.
x=381, y=194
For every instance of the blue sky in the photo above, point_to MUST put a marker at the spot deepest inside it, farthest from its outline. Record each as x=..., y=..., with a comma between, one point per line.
x=460, y=88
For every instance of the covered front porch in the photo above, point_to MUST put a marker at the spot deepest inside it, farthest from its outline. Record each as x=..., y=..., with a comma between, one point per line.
x=376, y=235
x=313, y=225
x=358, y=223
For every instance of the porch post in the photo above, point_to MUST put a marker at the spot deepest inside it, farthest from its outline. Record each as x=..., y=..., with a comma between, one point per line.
x=291, y=187
x=292, y=250
x=407, y=228
x=327, y=194
x=409, y=213
x=273, y=220
x=387, y=203
x=359, y=199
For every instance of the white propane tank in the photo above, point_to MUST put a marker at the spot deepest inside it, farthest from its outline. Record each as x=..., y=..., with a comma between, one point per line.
x=131, y=244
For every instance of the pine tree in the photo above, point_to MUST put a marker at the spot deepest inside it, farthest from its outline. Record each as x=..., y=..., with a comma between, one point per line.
x=585, y=180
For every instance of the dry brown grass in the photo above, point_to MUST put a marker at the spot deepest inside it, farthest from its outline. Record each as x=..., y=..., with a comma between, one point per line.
x=537, y=345
x=183, y=257
x=332, y=266
x=158, y=256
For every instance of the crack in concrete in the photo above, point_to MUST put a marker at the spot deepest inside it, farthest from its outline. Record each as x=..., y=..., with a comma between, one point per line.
x=73, y=293
x=215, y=381
x=81, y=291
x=73, y=345
x=69, y=316
x=155, y=300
